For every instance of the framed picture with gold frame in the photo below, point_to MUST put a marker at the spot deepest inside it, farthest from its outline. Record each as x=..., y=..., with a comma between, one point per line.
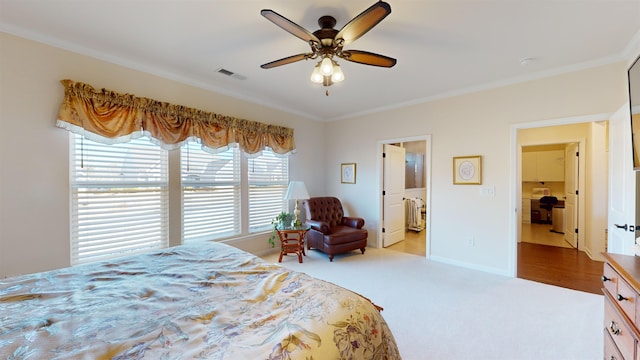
x=348, y=173
x=467, y=170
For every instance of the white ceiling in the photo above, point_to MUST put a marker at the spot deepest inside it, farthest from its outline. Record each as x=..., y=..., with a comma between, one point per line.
x=443, y=47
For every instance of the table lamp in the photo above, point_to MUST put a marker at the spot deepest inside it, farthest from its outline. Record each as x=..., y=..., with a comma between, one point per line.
x=296, y=191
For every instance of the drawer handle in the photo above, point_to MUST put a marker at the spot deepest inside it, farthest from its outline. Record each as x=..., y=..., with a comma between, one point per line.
x=605, y=279
x=613, y=327
x=621, y=298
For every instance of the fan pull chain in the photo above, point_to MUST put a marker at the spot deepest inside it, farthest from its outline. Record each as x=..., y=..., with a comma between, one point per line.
x=327, y=92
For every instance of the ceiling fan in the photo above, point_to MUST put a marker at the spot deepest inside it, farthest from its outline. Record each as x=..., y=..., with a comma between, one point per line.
x=327, y=43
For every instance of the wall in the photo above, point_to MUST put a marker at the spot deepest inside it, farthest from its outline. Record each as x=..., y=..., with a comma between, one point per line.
x=34, y=154
x=597, y=188
x=472, y=124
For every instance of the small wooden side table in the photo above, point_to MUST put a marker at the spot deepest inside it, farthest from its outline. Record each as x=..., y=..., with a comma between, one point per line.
x=292, y=240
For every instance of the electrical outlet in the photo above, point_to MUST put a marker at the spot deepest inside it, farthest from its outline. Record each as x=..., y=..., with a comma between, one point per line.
x=471, y=241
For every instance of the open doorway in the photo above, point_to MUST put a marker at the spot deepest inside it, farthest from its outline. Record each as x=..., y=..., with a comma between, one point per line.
x=409, y=204
x=563, y=161
x=550, y=187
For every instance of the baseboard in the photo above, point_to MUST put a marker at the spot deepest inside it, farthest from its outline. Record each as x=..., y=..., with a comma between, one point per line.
x=471, y=266
x=591, y=255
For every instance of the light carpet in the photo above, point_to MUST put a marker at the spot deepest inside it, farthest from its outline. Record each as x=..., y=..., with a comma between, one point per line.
x=440, y=311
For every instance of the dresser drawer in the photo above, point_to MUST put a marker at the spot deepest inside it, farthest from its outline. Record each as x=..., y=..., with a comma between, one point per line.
x=611, y=351
x=627, y=298
x=619, y=330
x=610, y=279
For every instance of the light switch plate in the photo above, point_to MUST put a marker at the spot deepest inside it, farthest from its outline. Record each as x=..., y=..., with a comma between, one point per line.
x=488, y=191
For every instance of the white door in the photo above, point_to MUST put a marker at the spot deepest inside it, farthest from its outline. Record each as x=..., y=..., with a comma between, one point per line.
x=570, y=194
x=393, y=195
x=622, y=185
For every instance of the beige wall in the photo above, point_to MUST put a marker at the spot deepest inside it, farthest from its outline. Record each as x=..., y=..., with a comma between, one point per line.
x=34, y=195
x=34, y=154
x=474, y=124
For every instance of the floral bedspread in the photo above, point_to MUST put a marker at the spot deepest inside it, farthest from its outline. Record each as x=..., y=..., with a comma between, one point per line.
x=202, y=301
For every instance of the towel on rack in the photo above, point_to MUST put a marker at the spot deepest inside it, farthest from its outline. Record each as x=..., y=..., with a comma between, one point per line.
x=414, y=213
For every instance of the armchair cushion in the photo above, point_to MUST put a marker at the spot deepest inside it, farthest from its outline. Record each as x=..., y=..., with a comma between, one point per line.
x=344, y=235
x=331, y=232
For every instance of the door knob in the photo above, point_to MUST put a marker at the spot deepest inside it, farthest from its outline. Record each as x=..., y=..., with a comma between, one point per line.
x=621, y=226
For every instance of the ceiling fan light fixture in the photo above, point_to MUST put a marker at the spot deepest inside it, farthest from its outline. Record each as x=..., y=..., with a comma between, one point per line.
x=327, y=43
x=326, y=66
x=316, y=75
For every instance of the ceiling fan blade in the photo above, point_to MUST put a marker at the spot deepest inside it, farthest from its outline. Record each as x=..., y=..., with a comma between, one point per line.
x=367, y=58
x=364, y=22
x=289, y=26
x=285, y=61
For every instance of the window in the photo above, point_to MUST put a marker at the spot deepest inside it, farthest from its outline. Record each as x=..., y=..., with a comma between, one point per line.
x=268, y=177
x=119, y=199
x=212, y=188
x=120, y=196
x=210, y=193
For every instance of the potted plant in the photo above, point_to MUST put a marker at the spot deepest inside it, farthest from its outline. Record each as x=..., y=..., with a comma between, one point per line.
x=282, y=220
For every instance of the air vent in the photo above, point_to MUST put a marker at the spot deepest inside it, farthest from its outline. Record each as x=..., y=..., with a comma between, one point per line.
x=231, y=73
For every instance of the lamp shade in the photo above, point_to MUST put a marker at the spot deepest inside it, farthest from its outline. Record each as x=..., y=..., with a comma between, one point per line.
x=338, y=75
x=296, y=190
x=316, y=75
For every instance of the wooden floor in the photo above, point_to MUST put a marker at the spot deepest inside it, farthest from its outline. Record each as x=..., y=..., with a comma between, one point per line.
x=543, y=256
x=414, y=243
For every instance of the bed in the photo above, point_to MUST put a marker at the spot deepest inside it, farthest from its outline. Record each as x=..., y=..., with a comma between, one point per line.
x=200, y=301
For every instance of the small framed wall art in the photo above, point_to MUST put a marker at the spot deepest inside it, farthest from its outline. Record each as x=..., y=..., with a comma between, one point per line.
x=348, y=173
x=467, y=170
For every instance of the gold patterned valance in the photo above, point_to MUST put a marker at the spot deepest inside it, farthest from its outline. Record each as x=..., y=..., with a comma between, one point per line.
x=110, y=117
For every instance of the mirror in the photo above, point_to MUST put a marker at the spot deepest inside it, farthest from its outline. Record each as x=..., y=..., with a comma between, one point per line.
x=634, y=102
x=414, y=164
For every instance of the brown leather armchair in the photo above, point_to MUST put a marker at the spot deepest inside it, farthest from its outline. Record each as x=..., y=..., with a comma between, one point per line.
x=331, y=232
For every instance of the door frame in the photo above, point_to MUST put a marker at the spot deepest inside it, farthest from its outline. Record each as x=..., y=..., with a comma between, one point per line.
x=516, y=178
x=427, y=179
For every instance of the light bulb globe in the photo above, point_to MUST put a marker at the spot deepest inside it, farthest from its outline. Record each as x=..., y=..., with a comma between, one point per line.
x=326, y=66
x=338, y=75
x=316, y=76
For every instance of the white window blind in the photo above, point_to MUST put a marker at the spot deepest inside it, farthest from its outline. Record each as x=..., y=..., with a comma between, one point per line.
x=210, y=193
x=268, y=178
x=119, y=199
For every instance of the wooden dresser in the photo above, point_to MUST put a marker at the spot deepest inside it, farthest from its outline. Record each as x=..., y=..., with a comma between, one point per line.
x=621, y=280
